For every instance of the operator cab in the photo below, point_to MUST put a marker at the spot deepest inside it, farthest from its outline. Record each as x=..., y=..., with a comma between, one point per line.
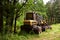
x=30, y=16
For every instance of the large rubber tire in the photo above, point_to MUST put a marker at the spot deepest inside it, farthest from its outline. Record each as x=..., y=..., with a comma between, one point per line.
x=26, y=28
x=44, y=28
x=49, y=27
x=37, y=30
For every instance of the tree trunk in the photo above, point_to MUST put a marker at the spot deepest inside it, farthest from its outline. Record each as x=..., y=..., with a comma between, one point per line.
x=1, y=20
x=7, y=24
x=15, y=25
x=11, y=24
x=1, y=17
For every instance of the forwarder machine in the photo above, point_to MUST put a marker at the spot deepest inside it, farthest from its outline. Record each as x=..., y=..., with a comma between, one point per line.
x=33, y=22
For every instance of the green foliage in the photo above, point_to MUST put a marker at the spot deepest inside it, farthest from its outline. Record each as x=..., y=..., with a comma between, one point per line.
x=14, y=12
x=53, y=11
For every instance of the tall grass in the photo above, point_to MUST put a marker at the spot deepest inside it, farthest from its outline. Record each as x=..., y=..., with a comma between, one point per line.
x=53, y=34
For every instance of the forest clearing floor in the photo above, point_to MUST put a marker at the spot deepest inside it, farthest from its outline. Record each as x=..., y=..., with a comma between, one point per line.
x=53, y=34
